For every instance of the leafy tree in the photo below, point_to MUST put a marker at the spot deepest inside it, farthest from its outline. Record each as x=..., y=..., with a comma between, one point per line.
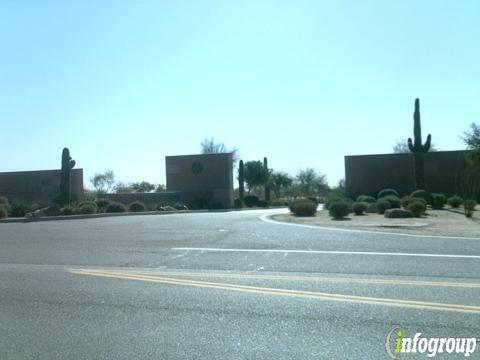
x=143, y=186
x=103, y=182
x=161, y=188
x=311, y=183
x=280, y=181
x=122, y=188
x=472, y=140
x=254, y=174
x=210, y=146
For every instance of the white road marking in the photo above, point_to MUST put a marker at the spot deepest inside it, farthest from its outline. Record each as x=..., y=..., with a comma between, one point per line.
x=267, y=218
x=327, y=252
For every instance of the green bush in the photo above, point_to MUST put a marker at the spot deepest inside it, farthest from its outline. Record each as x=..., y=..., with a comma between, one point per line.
x=103, y=203
x=383, y=205
x=19, y=210
x=407, y=200
x=422, y=194
x=303, y=207
x=335, y=198
x=4, y=201
x=88, y=202
x=115, y=207
x=455, y=201
x=279, y=202
x=359, y=208
x=3, y=212
x=395, y=202
x=68, y=210
x=417, y=208
x=438, y=200
x=339, y=209
x=366, y=198
x=385, y=192
x=87, y=208
x=469, y=207
x=136, y=206
x=250, y=200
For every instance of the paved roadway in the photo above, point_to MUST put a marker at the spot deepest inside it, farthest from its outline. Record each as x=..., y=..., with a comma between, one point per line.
x=226, y=286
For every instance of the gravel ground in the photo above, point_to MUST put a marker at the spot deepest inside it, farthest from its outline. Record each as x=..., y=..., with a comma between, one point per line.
x=446, y=222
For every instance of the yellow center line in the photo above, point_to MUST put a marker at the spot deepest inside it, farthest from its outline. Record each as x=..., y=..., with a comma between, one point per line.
x=285, y=292
x=318, y=279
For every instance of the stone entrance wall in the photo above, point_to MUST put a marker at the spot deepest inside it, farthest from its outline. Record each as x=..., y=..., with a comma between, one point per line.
x=206, y=178
x=39, y=187
x=368, y=174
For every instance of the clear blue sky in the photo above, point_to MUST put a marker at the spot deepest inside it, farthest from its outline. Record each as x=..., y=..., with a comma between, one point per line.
x=124, y=83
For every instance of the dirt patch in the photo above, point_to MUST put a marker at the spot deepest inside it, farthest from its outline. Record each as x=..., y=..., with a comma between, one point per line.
x=435, y=222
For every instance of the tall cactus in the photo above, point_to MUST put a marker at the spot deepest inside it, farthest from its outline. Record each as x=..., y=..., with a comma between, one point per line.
x=65, y=175
x=241, y=183
x=417, y=148
x=267, y=180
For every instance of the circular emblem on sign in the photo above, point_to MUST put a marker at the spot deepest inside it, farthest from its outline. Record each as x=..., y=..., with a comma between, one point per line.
x=197, y=167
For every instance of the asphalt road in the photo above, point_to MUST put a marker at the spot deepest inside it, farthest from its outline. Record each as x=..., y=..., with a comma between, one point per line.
x=226, y=286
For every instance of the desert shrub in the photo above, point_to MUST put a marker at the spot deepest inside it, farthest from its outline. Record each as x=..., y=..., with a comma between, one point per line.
x=366, y=198
x=422, y=194
x=19, y=210
x=335, y=198
x=383, y=205
x=87, y=208
x=88, y=202
x=395, y=202
x=417, y=208
x=455, y=201
x=469, y=207
x=279, y=202
x=103, y=203
x=303, y=207
x=262, y=203
x=250, y=200
x=4, y=201
x=115, y=207
x=407, y=200
x=438, y=201
x=359, y=208
x=68, y=210
x=385, y=192
x=3, y=212
x=339, y=209
x=136, y=206
x=180, y=206
x=372, y=208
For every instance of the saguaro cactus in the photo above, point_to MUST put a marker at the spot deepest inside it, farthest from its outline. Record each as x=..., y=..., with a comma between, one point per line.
x=267, y=180
x=417, y=148
x=65, y=186
x=241, y=182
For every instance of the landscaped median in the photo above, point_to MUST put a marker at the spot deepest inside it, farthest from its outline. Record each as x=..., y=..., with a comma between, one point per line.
x=435, y=222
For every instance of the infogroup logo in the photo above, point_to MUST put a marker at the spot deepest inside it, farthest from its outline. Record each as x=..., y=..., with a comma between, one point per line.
x=397, y=343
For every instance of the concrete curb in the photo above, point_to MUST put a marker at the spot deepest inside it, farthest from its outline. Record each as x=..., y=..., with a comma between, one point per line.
x=103, y=215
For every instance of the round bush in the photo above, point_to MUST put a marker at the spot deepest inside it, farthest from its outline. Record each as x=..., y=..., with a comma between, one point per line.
x=455, y=201
x=407, y=200
x=469, y=206
x=336, y=198
x=3, y=212
x=68, y=210
x=115, y=207
x=383, y=205
x=4, y=201
x=438, y=201
x=19, y=210
x=359, y=208
x=385, y=192
x=103, y=203
x=366, y=198
x=339, y=209
x=250, y=200
x=417, y=208
x=303, y=207
x=136, y=206
x=88, y=202
x=87, y=209
x=422, y=194
x=395, y=202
